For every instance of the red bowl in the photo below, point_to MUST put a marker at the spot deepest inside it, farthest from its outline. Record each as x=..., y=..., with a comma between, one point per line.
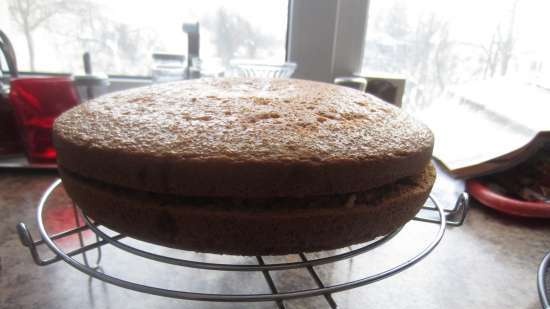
x=505, y=204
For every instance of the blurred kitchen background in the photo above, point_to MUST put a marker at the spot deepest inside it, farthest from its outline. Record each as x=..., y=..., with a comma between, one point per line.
x=431, y=44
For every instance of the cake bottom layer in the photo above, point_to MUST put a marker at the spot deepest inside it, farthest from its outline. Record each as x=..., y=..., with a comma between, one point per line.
x=251, y=226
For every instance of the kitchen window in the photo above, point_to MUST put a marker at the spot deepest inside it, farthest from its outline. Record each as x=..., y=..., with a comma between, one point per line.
x=51, y=36
x=436, y=45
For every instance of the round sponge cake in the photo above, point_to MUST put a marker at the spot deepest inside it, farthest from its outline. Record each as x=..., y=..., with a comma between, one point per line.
x=245, y=166
x=251, y=138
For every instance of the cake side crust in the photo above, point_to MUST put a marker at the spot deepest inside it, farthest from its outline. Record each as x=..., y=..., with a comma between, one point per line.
x=213, y=227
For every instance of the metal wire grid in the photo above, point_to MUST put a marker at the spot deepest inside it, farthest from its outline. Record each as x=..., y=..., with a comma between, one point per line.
x=431, y=213
x=543, y=281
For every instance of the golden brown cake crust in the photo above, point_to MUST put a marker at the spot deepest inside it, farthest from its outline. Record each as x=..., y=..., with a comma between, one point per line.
x=242, y=137
x=253, y=227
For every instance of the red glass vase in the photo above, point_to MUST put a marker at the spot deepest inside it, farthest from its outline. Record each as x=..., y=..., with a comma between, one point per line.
x=37, y=102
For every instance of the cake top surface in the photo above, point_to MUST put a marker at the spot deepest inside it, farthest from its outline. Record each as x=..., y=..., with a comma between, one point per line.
x=245, y=120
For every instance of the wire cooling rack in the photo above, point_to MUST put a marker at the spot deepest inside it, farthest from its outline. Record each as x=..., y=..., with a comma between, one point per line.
x=431, y=212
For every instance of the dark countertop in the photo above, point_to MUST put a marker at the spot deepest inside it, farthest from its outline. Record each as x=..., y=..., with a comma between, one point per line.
x=489, y=262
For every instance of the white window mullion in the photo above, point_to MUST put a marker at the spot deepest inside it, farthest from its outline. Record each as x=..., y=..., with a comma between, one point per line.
x=326, y=37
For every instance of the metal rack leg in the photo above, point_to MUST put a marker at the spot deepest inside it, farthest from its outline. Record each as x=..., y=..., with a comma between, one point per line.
x=27, y=240
x=318, y=281
x=270, y=282
x=81, y=240
x=453, y=217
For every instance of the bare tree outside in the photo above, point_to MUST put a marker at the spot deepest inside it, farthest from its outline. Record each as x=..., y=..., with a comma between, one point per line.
x=501, y=48
x=234, y=36
x=425, y=48
x=29, y=15
x=114, y=46
x=122, y=35
x=420, y=49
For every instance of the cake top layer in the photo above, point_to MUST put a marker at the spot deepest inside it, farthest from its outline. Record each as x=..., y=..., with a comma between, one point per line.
x=230, y=123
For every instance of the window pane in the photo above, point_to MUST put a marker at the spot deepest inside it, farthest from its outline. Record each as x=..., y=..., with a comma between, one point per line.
x=52, y=35
x=436, y=44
